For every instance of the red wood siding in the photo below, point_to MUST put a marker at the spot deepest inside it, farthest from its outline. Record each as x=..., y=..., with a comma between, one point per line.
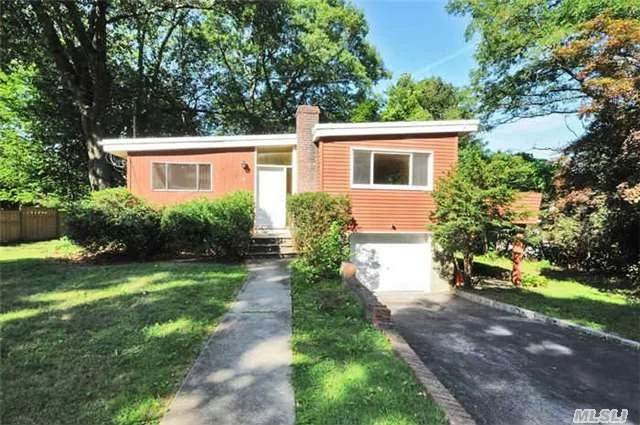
x=228, y=175
x=526, y=206
x=382, y=210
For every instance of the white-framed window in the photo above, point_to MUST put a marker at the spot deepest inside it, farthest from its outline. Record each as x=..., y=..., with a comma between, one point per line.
x=181, y=176
x=391, y=169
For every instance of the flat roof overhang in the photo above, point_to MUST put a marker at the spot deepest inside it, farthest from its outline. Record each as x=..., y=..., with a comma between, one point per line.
x=121, y=147
x=396, y=128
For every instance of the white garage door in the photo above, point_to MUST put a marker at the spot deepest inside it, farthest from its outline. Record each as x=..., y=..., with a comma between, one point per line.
x=392, y=262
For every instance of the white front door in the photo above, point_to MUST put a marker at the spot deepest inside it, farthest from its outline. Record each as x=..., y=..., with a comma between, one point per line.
x=271, y=202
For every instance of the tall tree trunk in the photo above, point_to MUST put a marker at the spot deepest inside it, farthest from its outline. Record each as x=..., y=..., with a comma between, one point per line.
x=467, y=264
x=100, y=172
x=82, y=60
x=137, y=113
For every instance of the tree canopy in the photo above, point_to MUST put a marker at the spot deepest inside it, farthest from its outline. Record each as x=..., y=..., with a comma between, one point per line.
x=518, y=74
x=572, y=56
x=143, y=68
x=518, y=172
x=431, y=98
x=269, y=57
x=33, y=171
x=598, y=204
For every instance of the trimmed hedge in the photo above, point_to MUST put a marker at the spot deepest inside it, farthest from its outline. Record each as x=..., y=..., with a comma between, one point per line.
x=319, y=222
x=115, y=219
x=186, y=227
x=118, y=221
x=220, y=227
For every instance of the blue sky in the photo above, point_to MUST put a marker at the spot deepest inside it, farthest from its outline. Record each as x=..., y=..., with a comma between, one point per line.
x=419, y=37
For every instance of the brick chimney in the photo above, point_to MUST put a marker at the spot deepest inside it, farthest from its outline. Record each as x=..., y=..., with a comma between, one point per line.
x=306, y=117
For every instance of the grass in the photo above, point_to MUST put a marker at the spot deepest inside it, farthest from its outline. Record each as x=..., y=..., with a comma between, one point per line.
x=580, y=298
x=101, y=344
x=55, y=249
x=345, y=371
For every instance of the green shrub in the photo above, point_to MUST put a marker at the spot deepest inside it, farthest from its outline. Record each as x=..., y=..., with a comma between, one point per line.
x=220, y=227
x=488, y=270
x=232, y=224
x=534, y=281
x=115, y=219
x=324, y=255
x=319, y=222
x=312, y=213
x=187, y=226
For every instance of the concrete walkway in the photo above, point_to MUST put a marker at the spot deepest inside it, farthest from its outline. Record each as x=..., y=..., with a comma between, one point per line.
x=509, y=370
x=243, y=375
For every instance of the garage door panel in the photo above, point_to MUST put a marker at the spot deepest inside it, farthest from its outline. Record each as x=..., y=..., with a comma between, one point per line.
x=392, y=262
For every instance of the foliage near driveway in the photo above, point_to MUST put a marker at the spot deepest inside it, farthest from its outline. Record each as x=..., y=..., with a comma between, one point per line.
x=581, y=298
x=345, y=372
x=99, y=344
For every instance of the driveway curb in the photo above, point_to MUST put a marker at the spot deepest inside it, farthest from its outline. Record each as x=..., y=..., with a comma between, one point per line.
x=539, y=317
x=380, y=316
x=453, y=410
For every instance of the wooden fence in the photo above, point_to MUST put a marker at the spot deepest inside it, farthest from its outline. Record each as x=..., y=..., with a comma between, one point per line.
x=30, y=224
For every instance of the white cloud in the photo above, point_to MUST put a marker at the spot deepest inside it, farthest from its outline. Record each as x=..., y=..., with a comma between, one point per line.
x=428, y=68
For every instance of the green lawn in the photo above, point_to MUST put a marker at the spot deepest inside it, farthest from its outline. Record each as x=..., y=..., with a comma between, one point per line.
x=581, y=298
x=101, y=344
x=345, y=371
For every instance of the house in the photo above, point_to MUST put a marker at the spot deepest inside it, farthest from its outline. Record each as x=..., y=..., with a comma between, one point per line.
x=387, y=169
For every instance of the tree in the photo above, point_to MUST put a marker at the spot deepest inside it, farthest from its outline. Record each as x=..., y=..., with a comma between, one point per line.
x=143, y=68
x=32, y=172
x=268, y=57
x=469, y=209
x=539, y=57
x=518, y=76
x=368, y=110
x=20, y=160
x=519, y=171
x=473, y=202
x=427, y=99
x=79, y=50
x=600, y=175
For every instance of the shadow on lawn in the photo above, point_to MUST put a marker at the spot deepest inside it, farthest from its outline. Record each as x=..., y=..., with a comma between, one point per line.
x=345, y=371
x=113, y=356
x=599, y=281
x=621, y=319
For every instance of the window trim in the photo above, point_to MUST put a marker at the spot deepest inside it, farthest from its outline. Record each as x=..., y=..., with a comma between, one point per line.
x=166, y=173
x=372, y=151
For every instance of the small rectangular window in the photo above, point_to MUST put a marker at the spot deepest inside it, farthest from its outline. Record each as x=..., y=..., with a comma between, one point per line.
x=361, y=167
x=274, y=156
x=204, y=177
x=420, y=169
x=159, y=175
x=181, y=176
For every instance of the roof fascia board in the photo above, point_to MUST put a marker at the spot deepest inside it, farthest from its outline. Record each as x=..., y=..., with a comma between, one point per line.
x=394, y=128
x=190, y=143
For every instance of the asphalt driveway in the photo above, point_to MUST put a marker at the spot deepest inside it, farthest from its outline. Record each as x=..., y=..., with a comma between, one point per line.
x=508, y=370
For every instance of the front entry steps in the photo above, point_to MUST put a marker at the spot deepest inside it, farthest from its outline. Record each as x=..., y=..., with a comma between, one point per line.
x=272, y=243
